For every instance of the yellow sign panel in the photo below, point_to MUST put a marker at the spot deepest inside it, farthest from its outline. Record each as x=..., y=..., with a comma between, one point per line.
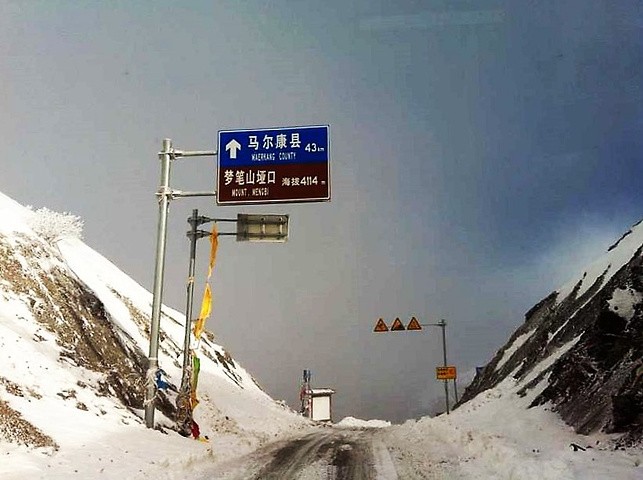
x=445, y=373
x=380, y=326
x=414, y=324
x=397, y=326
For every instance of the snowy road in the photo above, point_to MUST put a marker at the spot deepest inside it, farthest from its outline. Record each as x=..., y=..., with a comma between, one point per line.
x=333, y=454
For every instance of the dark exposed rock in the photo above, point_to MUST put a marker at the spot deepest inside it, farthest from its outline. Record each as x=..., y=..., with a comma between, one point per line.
x=582, y=354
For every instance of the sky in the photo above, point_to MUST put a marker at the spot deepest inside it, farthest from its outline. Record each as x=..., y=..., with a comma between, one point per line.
x=481, y=154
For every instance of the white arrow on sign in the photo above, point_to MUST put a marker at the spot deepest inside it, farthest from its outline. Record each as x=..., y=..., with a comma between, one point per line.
x=233, y=146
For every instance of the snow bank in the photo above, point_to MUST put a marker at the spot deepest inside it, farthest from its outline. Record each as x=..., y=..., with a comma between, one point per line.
x=497, y=436
x=352, y=422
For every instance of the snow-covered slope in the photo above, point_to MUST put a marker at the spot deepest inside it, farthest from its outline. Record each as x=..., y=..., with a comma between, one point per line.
x=73, y=343
x=580, y=349
x=496, y=436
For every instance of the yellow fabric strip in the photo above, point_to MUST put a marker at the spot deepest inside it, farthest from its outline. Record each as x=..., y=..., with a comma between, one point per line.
x=214, y=244
x=206, y=308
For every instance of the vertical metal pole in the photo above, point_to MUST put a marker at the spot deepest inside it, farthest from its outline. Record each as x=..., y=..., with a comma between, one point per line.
x=184, y=414
x=443, y=324
x=455, y=389
x=157, y=298
x=190, y=290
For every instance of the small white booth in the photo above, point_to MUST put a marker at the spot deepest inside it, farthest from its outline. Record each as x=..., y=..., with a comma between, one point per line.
x=321, y=404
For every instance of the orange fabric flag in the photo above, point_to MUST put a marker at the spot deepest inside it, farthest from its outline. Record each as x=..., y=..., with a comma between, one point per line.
x=214, y=243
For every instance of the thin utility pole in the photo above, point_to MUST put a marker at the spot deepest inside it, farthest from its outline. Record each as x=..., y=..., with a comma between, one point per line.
x=442, y=323
x=184, y=413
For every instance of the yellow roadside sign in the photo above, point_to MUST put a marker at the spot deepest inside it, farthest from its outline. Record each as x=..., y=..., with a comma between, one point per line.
x=380, y=326
x=445, y=373
x=414, y=324
x=397, y=326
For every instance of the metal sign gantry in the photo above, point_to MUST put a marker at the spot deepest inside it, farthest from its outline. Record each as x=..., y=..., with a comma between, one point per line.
x=249, y=228
x=165, y=195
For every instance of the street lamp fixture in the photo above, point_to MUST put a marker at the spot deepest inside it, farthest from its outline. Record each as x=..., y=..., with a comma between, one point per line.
x=262, y=228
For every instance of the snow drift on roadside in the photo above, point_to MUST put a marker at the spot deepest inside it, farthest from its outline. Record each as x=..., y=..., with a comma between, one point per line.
x=352, y=422
x=496, y=436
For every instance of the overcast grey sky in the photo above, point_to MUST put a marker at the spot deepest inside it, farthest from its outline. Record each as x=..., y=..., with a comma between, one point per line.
x=481, y=153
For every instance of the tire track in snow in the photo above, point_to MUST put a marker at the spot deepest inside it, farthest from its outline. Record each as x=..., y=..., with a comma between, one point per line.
x=383, y=462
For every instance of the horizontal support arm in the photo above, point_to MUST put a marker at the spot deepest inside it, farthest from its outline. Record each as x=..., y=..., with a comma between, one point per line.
x=196, y=153
x=181, y=194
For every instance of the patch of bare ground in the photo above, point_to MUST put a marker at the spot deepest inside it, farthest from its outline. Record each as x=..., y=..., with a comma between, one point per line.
x=77, y=318
x=16, y=429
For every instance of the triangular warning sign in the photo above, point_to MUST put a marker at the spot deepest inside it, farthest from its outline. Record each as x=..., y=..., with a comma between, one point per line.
x=397, y=326
x=414, y=324
x=380, y=326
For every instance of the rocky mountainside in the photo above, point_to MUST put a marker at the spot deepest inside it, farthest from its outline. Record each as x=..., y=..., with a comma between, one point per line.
x=580, y=350
x=74, y=340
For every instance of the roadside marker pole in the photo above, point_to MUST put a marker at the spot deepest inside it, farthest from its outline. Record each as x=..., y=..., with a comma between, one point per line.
x=184, y=408
x=442, y=323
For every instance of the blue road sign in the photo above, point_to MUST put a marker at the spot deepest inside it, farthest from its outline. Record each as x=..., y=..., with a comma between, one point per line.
x=287, y=164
